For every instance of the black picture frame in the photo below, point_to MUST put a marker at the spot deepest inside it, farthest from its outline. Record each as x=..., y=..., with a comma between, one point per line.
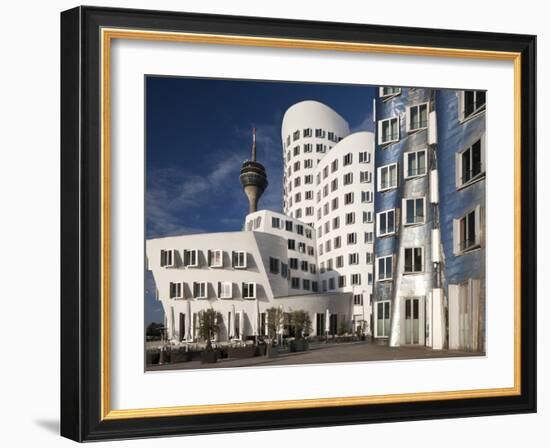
x=81, y=382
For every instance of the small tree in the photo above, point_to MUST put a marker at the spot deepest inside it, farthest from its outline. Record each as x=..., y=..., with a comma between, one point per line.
x=275, y=320
x=209, y=326
x=301, y=321
x=343, y=327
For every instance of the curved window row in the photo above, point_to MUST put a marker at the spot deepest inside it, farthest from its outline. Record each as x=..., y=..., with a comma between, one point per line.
x=310, y=132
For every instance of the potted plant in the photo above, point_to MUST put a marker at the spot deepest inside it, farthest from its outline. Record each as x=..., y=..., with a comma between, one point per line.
x=208, y=329
x=301, y=322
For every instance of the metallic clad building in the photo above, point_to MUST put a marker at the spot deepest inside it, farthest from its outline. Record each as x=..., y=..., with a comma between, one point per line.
x=429, y=201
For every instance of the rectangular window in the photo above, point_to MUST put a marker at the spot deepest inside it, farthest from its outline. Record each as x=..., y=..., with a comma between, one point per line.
x=310, y=251
x=328, y=245
x=350, y=218
x=302, y=248
x=312, y=268
x=385, y=92
x=388, y=131
x=295, y=283
x=325, y=191
x=309, y=211
x=299, y=229
x=414, y=260
x=308, y=132
x=309, y=195
x=341, y=281
x=314, y=286
x=415, y=163
x=334, y=184
x=387, y=177
x=334, y=203
x=386, y=222
x=296, y=135
x=331, y=283
x=334, y=166
x=297, y=182
x=353, y=258
x=308, y=179
x=415, y=211
x=273, y=265
x=352, y=238
x=296, y=151
x=470, y=164
x=249, y=290
x=335, y=223
x=284, y=270
x=340, y=262
x=364, y=157
x=308, y=163
x=305, y=284
x=337, y=242
x=365, y=177
x=191, y=258
x=325, y=209
x=369, y=258
x=368, y=237
x=292, y=244
x=304, y=265
x=384, y=268
x=366, y=196
x=225, y=290
x=215, y=258
x=467, y=231
x=200, y=290
x=348, y=198
x=275, y=222
x=355, y=279
x=319, y=133
x=327, y=227
x=176, y=290
x=293, y=263
x=319, y=147
x=348, y=159
x=288, y=226
x=308, y=147
x=348, y=178
x=473, y=101
x=239, y=259
x=417, y=117
x=167, y=258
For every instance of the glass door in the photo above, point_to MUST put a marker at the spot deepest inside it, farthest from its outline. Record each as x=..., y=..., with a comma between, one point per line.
x=412, y=321
x=383, y=319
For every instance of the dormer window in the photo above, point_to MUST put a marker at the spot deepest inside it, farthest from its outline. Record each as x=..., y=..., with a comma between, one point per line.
x=167, y=258
x=249, y=290
x=176, y=290
x=239, y=260
x=215, y=258
x=200, y=290
x=225, y=290
x=191, y=258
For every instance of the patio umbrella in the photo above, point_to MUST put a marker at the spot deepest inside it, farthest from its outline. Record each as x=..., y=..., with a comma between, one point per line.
x=327, y=321
x=188, y=335
x=257, y=320
x=241, y=324
x=232, y=326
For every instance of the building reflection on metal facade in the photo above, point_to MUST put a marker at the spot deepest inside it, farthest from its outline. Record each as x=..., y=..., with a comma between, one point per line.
x=430, y=193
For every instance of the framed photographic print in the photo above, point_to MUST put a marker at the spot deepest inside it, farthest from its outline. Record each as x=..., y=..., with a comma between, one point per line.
x=274, y=224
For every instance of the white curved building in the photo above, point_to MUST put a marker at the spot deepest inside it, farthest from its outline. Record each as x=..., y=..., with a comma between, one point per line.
x=328, y=183
x=310, y=129
x=344, y=212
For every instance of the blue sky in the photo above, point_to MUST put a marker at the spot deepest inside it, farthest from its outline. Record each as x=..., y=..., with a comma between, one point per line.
x=198, y=133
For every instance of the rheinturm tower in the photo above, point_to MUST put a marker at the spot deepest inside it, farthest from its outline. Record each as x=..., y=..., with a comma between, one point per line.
x=253, y=178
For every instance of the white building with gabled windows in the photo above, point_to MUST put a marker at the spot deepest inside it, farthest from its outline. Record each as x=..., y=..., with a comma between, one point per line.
x=317, y=256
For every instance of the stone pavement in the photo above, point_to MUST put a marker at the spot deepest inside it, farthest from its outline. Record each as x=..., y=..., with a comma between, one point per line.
x=321, y=353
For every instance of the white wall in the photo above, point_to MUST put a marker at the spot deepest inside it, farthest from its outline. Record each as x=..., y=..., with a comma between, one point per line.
x=29, y=173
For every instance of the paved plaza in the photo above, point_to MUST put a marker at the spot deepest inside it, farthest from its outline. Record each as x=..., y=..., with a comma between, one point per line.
x=320, y=353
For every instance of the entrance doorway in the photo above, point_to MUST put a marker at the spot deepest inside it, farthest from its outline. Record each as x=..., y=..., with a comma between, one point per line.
x=412, y=321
